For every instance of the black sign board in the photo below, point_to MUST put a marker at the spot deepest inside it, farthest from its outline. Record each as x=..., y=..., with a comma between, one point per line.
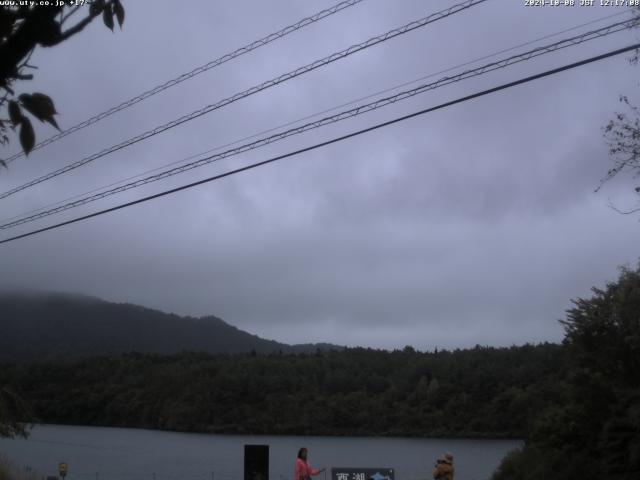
x=256, y=462
x=362, y=473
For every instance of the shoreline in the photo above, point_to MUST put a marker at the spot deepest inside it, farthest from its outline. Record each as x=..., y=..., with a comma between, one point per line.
x=288, y=435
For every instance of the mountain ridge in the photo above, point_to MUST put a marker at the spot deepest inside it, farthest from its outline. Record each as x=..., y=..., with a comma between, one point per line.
x=46, y=326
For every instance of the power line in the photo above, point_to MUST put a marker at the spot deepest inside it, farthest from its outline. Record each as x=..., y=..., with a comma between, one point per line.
x=313, y=115
x=258, y=88
x=196, y=71
x=334, y=140
x=536, y=52
x=335, y=118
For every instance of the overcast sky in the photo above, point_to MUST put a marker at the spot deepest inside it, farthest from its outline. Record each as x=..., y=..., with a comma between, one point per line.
x=475, y=224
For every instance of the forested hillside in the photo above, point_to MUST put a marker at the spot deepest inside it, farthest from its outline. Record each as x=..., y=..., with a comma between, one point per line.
x=47, y=326
x=481, y=392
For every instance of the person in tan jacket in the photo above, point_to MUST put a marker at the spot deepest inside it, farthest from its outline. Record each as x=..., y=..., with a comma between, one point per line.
x=443, y=469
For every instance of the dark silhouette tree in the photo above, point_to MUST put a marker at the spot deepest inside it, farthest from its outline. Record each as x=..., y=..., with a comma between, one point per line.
x=595, y=431
x=24, y=28
x=622, y=134
x=14, y=413
x=623, y=137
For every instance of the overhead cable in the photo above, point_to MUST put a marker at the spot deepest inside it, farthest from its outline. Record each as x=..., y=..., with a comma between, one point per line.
x=506, y=62
x=310, y=116
x=258, y=88
x=196, y=71
x=332, y=141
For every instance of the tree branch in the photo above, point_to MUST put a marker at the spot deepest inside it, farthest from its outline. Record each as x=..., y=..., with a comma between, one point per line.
x=38, y=27
x=68, y=15
x=623, y=212
x=77, y=28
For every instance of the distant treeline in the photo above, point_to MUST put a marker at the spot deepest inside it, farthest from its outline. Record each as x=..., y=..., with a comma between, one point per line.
x=577, y=404
x=479, y=392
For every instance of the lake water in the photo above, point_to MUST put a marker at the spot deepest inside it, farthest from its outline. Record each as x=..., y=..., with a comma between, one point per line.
x=94, y=453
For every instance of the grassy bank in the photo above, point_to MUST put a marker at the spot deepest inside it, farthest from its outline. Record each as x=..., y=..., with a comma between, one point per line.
x=11, y=471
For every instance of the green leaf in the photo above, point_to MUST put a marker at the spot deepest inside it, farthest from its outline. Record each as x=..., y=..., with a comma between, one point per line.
x=14, y=112
x=96, y=7
x=118, y=9
x=40, y=106
x=53, y=122
x=107, y=16
x=27, y=135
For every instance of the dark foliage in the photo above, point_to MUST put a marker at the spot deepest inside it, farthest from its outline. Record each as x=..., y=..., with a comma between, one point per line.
x=595, y=432
x=481, y=392
x=23, y=27
x=14, y=414
x=622, y=134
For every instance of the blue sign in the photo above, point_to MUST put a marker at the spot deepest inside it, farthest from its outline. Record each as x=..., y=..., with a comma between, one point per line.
x=338, y=473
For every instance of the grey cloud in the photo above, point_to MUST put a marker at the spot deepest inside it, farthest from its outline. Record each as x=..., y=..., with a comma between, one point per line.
x=474, y=224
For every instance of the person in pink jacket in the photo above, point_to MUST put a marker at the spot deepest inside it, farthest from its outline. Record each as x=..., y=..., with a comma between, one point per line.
x=303, y=470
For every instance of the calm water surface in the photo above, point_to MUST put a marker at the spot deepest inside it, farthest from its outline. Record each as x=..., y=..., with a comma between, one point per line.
x=94, y=453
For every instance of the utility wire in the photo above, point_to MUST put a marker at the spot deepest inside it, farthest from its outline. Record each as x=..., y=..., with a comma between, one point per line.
x=196, y=71
x=313, y=115
x=258, y=88
x=599, y=33
x=334, y=140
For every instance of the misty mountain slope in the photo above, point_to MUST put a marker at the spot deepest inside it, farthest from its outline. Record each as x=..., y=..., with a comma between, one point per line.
x=54, y=326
